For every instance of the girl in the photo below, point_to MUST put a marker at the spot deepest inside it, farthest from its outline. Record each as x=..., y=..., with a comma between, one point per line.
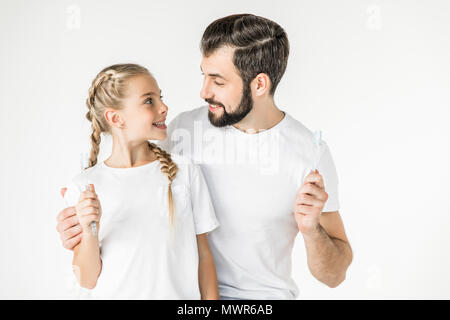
x=152, y=213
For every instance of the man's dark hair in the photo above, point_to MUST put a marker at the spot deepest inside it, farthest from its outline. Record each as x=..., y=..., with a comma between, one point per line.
x=261, y=45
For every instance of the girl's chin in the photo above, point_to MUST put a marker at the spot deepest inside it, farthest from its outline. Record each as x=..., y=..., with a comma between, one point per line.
x=159, y=137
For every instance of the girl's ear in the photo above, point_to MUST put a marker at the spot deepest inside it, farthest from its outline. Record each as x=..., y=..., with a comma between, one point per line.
x=113, y=118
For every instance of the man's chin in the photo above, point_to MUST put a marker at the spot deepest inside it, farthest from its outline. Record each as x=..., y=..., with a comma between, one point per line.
x=217, y=120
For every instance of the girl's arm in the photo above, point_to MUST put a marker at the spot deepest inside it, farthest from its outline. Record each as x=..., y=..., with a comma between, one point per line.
x=207, y=276
x=87, y=263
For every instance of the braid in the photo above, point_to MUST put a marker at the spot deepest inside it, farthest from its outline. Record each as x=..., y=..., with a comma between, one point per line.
x=97, y=127
x=95, y=142
x=169, y=168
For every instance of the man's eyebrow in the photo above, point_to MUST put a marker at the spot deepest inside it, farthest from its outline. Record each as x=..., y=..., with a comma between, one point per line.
x=151, y=93
x=216, y=75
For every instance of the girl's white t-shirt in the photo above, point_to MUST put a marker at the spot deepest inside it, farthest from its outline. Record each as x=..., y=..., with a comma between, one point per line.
x=141, y=258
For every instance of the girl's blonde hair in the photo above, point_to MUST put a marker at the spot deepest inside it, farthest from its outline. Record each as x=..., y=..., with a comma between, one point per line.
x=107, y=91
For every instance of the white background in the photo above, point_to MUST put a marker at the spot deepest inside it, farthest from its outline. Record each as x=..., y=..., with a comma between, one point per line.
x=374, y=76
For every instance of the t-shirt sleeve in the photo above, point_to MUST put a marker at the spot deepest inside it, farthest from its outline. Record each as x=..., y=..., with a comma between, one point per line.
x=328, y=171
x=72, y=194
x=204, y=215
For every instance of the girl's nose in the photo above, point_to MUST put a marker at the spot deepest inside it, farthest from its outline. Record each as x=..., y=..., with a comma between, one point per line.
x=164, y=108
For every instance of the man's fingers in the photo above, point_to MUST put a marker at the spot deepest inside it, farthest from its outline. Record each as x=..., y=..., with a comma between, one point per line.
x=315, y=178
x=72, y=242
x=310, y=188
x=306, y=199
x=63, y=191
x=65, y=213
x=304, y=209
x=71, y=232
x=68, y=223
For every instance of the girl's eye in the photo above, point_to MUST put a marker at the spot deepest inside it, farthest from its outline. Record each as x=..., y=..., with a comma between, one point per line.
x=161, y=97
x=148, y=101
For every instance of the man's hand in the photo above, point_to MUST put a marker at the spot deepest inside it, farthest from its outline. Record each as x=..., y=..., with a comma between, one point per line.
x=309, y=203
x=68, y=227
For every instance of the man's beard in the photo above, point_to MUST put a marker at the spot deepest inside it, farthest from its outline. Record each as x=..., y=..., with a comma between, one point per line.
x=228, y=119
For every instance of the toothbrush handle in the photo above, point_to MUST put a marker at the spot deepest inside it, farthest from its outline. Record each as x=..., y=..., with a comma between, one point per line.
x=93, y=225
x=316, y=157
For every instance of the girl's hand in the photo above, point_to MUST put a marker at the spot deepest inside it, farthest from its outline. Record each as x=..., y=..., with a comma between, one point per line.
x=88, y=209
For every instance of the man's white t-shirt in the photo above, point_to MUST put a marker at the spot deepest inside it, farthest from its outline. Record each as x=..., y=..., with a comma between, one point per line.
x=140, y=260
x=253, y=180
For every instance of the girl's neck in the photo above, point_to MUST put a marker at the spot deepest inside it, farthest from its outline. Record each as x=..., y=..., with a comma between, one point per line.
x=128, y=154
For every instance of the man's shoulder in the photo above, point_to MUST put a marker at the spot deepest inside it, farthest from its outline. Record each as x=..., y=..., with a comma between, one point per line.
x=186, y=118
x=297, y=129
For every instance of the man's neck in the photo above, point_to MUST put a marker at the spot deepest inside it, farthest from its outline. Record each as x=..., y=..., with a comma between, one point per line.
x=261, y=117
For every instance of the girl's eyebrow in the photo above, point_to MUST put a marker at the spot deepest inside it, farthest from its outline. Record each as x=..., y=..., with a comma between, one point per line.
x=151, y=94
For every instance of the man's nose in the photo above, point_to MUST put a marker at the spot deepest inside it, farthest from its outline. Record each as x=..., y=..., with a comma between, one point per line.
x=205, y=92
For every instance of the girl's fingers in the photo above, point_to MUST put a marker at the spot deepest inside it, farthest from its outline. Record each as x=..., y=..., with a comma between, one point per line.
x=88, y=203
x=88, y=211
x=92, y=217
x=88, y=195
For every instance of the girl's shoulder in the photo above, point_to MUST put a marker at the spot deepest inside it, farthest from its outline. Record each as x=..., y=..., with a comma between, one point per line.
x=187, y=169
x=84, y=176
x=78, y=184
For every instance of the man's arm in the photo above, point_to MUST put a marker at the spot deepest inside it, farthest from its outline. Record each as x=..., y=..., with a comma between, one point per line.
x=328, y=251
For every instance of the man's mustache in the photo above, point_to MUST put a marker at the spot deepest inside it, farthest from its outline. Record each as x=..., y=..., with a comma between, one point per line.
x=209, y=101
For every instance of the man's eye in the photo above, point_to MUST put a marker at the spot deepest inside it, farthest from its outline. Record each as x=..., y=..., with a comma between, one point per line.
x=161, y=97
x=218, y=83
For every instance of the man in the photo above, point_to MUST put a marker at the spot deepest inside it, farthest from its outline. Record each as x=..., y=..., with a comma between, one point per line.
x=256, y=160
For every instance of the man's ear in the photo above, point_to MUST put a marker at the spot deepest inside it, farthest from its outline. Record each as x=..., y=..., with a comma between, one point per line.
x=113, y=118
x=261, y=84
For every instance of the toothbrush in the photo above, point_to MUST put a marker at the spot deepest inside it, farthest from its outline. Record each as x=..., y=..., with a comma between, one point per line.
x=84, y=164
x=317, y=144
